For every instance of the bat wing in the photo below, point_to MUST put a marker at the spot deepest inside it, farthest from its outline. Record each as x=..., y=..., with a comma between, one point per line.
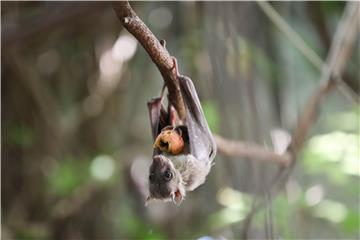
x=157, y=116
x=202, y=144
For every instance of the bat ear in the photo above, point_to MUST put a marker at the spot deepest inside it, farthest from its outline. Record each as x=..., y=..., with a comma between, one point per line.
x=178, y=196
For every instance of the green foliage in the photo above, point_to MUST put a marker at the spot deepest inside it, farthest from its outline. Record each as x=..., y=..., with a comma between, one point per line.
x=283, y=211
x=135, y=227
x=330, y=210
x=236, y=207
x=21, y=135
x=352, y=222
x=67, y=176
x=33, y=231
x=334, y=154
x=332, y=6
x=347, y=121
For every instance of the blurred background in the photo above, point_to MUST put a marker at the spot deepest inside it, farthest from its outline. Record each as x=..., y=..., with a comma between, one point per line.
x=76, y=140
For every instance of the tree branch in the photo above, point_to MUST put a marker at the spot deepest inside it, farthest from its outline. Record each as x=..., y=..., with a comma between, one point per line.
x=339, y=54
x=238, y=148
x=163, y=60
x=158, y=53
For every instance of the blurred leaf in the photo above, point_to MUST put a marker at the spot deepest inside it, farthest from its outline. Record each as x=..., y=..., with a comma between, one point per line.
x=21, y=135
x=212, y=115
x=315, y=165
x=225, y=217
x=135, y=227
x=282, y=211
x=332, y=211
x=332, y=7
x=237, y=206
x=33, y=231
x=335, y=154
x=352, y=222
x=68, y=175
x=343, y=121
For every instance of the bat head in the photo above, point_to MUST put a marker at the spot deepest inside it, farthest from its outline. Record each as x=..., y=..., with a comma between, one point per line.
x=165, y=182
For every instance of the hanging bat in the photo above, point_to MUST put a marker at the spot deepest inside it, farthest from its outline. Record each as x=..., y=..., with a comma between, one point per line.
x=173, y=172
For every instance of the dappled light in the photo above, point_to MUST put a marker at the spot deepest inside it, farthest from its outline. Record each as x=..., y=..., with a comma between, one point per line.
x=314, y=195
x=102, y=167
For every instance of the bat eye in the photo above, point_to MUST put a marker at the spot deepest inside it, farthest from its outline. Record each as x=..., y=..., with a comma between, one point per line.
x=152, y=178
x=211, y=153
x=168, y=176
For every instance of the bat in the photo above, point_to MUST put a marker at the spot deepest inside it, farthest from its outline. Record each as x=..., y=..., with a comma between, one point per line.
x=174, y=172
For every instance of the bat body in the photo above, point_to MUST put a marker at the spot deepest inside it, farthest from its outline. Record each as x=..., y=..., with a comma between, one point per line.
x=171, y=175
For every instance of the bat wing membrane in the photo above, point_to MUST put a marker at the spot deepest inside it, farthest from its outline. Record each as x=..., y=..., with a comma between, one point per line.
x=202, y=144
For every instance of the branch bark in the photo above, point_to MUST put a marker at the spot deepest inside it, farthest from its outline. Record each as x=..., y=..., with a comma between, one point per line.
x=157, y=52
x=251, y=151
